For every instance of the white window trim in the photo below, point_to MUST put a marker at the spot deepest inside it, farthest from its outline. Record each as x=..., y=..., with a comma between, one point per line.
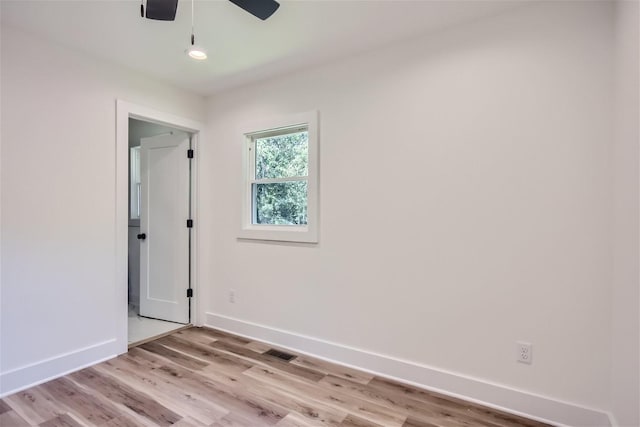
x=282, y=233
x=134, y=187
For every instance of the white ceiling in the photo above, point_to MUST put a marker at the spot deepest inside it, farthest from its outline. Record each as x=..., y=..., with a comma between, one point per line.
x=241, y=48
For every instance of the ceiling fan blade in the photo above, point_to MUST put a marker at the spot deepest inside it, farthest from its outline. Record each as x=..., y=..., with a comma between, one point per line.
x=259, y=8
x=162, y=10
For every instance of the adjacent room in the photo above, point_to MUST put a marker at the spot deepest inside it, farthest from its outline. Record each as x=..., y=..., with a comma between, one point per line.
x=156, y=153
x=379, y=213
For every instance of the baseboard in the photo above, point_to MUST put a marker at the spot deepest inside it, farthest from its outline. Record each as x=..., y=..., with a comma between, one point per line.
x=37, y=373
x=498, y=396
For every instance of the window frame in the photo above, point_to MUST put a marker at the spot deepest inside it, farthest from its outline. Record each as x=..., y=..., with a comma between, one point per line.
x=284, y=233
x=134, y=186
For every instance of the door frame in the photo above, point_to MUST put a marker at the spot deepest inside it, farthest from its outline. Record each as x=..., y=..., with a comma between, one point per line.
x=124, y=111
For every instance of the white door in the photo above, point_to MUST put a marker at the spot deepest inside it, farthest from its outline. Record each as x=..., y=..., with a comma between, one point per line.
x=164, y=236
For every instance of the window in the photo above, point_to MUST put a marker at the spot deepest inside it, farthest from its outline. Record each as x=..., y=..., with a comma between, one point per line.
x=280, y=175
x=280, y=185
x=135, y=183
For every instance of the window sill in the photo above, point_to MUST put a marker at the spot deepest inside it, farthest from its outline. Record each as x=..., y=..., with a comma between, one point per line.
x=279, y=233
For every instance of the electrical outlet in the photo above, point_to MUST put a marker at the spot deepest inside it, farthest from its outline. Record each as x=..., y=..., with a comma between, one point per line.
x=524, y=352
x=232, y=296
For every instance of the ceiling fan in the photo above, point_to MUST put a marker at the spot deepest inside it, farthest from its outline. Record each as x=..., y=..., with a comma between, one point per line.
x=165, y=10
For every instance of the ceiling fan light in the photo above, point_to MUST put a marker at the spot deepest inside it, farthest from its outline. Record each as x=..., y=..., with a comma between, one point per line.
x=197, y=53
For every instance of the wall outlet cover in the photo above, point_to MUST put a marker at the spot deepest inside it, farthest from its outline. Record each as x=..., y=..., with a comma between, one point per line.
x=524, y=352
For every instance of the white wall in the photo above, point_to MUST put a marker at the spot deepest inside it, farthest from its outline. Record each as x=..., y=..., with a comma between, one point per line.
x=465, y=204
x=58, y=203
x=626, y=293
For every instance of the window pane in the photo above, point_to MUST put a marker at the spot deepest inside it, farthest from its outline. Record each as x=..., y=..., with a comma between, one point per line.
x=282, y=203
x=282, y=156
x=134, y=187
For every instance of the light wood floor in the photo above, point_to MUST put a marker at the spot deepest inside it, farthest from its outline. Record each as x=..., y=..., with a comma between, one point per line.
x=202, y=377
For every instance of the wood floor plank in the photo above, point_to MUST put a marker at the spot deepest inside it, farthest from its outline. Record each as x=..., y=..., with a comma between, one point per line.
x=224, y=336
x=313, y=411
x=11, y=418
x=34, y=406
x=332, y=398
x=295, y=420
x=125, y=414
x=194, y=335
x=4, y=407
x=205, y=353
x=189, y=422
x=472, y=410
x=307, y=411
x=262, y=359
x=238, y=420
x=81, y=403
x=62, y=420
x=122, y=422
x=135, y=400
x=423, y=410
x=167, y=392
x=303, y=408
x=353, y=421
x=174, y=356
x=333, y=369
x=412, y=422
x=207, y=378
x=258, y=347
x=257, y=409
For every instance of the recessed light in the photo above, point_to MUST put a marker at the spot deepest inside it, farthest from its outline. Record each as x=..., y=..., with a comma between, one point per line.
x=197, y=53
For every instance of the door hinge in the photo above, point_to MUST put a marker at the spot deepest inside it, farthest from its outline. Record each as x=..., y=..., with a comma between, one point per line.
x=189, y=223
x=190, y=153
x=189, y=293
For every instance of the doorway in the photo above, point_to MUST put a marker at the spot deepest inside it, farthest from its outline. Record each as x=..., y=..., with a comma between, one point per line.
x=159, y=230
x=125, y=111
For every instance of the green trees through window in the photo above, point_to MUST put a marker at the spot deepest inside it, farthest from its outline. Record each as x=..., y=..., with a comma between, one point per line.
x=280, y=179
